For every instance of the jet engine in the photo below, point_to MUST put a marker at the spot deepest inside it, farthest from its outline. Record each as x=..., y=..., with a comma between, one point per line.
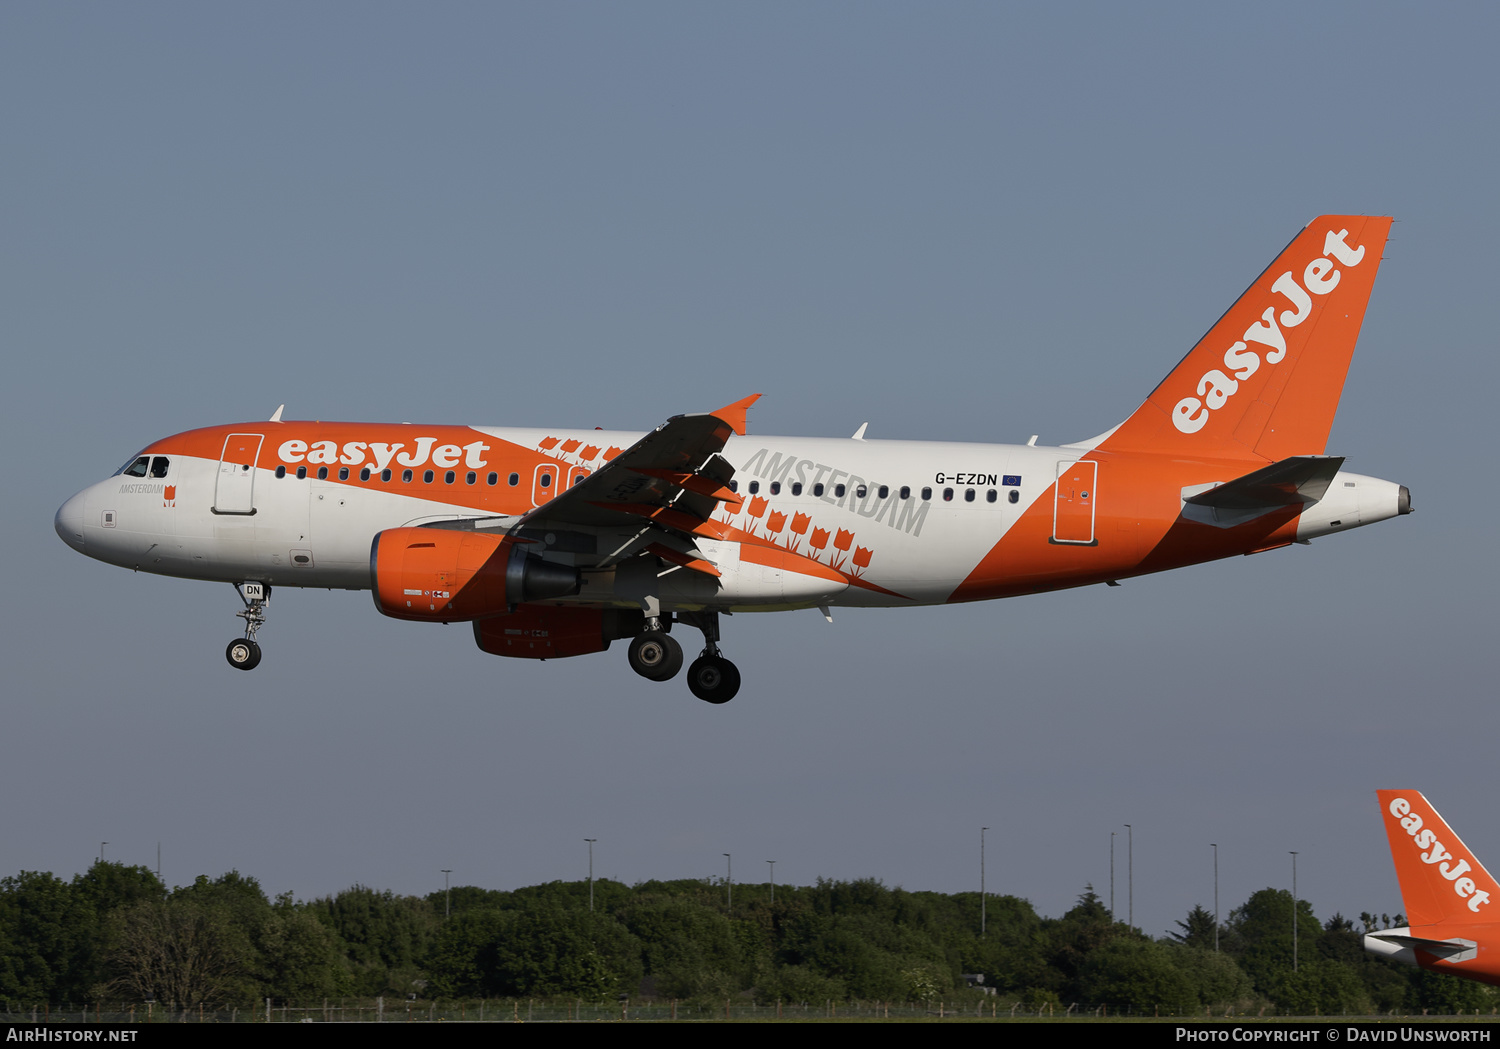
x=439, y=575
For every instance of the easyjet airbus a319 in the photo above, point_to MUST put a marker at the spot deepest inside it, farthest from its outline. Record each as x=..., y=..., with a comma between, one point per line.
x=555, y=542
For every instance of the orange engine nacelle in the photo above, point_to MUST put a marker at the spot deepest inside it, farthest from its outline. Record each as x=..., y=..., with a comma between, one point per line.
x=439, y=575
x=552, y=632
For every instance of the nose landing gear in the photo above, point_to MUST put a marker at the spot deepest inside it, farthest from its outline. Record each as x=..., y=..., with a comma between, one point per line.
x=243, y=653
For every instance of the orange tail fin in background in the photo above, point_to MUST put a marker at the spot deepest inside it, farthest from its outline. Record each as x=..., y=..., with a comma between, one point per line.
x=1264, y=383
x=1441, y=880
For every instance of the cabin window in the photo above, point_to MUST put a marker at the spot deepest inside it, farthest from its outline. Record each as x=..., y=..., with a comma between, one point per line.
x=492, y=480
x=513, y=480
x=138, y=468
x=160, y=463
x=754, y=487
x=926, y=493
x=343, y=473
x=859, y=493
x=385, y=475
x=448, y=477
x=905, y=491
x=839, y=490
x=322, y=473
x=280, y=471
x=947, y=495
x=990, y=496
x=884, y=491
x=734, y=486
x=364, y=474
x=818, y=489
x=301, y=473
x=427, y=477
x=1015, y=496
x=796, y=487
x=968, y=495
x=775, y=487
x=406, y=476
x=471, y=477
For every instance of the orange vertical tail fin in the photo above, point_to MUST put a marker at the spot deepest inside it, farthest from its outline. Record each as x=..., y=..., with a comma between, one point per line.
x=1264, y=383
x=1441, y=880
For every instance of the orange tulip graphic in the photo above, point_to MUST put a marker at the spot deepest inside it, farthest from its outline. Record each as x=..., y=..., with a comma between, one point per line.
x=758, y=505
x=799, y=528
x=590, y=451
x=549, y=442
x=819, y=538
x=841, y=541
x=861, y=558
x=776, y=521
x=570, y=445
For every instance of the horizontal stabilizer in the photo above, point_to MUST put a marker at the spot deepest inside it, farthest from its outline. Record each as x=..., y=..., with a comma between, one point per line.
x=1300, y=480
x=1456, y=950
x=1398, y=946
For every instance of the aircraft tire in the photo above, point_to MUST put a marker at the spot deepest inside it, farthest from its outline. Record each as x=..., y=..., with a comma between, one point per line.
x=655, y=656
x=243, y=654
x=713, y=679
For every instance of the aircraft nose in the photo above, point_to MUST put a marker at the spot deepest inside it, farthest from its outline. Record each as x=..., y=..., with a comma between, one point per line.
x=69, y=522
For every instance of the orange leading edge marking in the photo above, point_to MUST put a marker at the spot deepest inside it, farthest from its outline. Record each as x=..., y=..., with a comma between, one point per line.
x=554, y=542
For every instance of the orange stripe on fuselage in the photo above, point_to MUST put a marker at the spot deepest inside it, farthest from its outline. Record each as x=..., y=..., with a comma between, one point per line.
x=1138, y=528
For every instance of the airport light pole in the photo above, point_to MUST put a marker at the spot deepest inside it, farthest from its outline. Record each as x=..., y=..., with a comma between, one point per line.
x=1215, y=846
x=101, y=850
x=729, y=861
x=1130, y=873
x=1294, y=911
x=772, y=865
x=1112, y=874
x=982, y=909
x=447, y=893
x=591, y=872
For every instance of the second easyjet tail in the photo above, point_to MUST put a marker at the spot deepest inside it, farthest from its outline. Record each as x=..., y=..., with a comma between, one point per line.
x=1441, y=880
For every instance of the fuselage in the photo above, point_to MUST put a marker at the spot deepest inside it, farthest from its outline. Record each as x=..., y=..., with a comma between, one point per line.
x=889, y=523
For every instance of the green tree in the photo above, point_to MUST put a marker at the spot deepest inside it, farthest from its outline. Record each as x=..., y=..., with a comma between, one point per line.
x=1198, y=930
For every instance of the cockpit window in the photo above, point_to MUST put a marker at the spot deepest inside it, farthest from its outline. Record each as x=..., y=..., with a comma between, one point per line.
x=137, y=468
x=159, y=466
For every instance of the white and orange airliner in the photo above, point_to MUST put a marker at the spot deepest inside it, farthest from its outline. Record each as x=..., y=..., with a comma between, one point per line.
x=1449, y=896
x=552, y=543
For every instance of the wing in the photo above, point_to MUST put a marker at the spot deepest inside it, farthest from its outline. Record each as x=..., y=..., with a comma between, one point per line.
x=659, y=495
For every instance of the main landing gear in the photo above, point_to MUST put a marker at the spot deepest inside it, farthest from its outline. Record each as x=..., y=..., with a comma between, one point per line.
x=711, y=677
x=243, y=653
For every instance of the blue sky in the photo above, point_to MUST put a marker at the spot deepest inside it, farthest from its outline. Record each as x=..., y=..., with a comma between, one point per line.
x=953, y=221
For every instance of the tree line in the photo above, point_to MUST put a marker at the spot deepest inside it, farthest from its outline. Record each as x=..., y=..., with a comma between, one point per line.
x=118, y=933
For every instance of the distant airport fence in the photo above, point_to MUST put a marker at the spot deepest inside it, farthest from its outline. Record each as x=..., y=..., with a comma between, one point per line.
x=549, y=1010
x=521, y=1010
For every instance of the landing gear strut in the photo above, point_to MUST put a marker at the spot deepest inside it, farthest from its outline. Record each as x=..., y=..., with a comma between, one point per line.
x=243, y=653
x=711, y=677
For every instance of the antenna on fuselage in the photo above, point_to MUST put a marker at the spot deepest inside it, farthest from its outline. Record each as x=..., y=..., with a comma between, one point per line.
x=276, y=415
